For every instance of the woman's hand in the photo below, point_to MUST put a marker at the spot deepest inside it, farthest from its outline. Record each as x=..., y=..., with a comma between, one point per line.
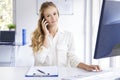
x=92, y=68
x=44, y=24
x=89, y=67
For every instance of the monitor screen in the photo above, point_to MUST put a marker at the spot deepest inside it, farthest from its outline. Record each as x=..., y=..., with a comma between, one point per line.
x=108, y=37
x=7, y=37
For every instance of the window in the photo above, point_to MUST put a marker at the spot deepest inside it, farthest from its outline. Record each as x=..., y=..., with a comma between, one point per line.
x=6, y=13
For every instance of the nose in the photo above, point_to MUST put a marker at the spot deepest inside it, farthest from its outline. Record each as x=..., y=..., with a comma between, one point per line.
x=53, y=17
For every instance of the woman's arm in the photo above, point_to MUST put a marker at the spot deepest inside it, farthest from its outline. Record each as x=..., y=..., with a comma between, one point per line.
x=46, y=32
x=40, y=56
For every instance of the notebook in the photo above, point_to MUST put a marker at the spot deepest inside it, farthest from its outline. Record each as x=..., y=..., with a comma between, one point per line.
x=40, y=71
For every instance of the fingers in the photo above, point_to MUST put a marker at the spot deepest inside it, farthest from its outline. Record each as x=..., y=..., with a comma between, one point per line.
x=44, y=23
x=98, y=68
x=95, y=68
x=89, y=67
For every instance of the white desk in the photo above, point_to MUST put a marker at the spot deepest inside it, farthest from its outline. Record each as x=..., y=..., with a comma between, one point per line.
x=7, y=55
x=18, y=73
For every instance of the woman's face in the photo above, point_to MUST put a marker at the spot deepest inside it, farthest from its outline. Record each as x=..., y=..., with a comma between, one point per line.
x=51, y=16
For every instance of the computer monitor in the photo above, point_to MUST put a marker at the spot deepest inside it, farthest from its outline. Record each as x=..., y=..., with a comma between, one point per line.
x=108, y=37
x=7, y=37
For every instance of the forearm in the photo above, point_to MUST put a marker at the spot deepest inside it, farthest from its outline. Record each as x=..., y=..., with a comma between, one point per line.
x=45, y=42
x=82, y=66
x=40, y=56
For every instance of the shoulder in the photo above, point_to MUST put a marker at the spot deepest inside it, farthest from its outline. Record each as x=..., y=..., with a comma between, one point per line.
x=67, y=34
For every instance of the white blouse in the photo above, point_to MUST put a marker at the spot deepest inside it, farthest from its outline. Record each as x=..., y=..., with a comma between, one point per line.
x=61, y=51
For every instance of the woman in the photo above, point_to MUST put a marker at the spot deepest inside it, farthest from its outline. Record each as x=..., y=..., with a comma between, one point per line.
x=52, y=46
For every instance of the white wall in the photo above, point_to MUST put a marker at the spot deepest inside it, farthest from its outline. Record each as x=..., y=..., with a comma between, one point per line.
x=26, y=17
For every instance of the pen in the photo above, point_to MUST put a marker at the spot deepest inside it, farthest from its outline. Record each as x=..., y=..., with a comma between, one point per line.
x=42, y=71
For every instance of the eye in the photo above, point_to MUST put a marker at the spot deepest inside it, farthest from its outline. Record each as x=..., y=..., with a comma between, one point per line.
x=48, y=15
x=54, y=13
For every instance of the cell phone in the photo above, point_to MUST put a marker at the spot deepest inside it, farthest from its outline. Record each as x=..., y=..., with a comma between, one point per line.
x=45, y=20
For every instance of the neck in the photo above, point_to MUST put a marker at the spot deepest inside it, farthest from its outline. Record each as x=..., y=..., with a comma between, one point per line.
x=53, y=30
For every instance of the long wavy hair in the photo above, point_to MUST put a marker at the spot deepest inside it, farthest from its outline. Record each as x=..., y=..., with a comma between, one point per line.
x=38, y=34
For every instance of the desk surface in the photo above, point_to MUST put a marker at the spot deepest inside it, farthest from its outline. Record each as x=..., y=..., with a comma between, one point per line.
x=18, y=73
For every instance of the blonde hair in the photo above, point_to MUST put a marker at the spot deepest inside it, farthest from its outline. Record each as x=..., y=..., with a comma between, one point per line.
x=38, y=34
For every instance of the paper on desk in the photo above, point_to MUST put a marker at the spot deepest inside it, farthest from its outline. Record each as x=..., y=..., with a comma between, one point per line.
x=49, y=71
x=76, y=74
